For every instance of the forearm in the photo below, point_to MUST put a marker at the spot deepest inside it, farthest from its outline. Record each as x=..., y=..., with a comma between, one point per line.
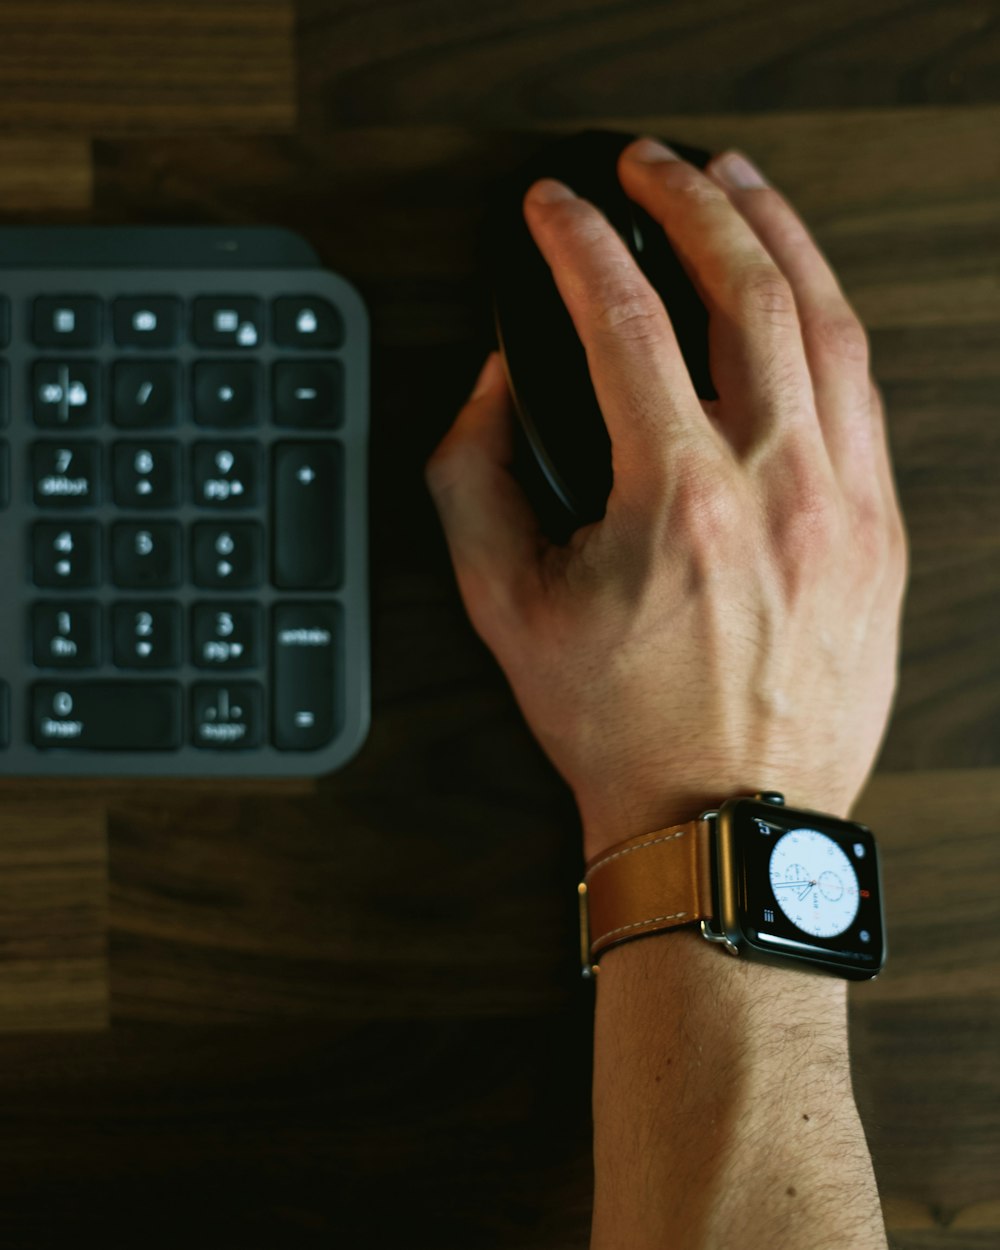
x=723, y=1109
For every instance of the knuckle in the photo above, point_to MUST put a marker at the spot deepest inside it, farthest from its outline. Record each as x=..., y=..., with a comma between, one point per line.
x=704, y=506
x=872, y=537
x=841, y=334
x=807, y=529
x=879, y=552
x=631, y=312
x=762, y=290
x=439, y=475
x=804, y=518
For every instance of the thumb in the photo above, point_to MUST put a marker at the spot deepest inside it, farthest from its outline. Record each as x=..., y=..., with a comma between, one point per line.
x=492, y=531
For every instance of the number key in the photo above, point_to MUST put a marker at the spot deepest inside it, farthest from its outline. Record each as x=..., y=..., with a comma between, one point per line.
x=66, y=634
x=227, y=557
x=226, y=635
x=146, y=634
x=147, y=475
x=146, y=557
x=66, y=555
x=65, y=475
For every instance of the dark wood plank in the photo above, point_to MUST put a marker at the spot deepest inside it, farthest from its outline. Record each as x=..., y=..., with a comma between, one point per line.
x=451, y=1133
x=47, y=174
x=525, y=62
x=116, y=67
x=53, y=916
x=925, y=1036
x=345, y=908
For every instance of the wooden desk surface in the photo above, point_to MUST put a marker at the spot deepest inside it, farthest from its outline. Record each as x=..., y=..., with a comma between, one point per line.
x=350, y=1012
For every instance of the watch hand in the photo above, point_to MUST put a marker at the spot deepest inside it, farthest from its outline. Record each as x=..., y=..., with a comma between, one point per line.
x=776, y=884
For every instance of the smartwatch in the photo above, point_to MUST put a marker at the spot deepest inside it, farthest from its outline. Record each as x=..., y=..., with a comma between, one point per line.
x=795, y=888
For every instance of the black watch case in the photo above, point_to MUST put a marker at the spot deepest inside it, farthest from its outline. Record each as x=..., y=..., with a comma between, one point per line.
x=795, y=888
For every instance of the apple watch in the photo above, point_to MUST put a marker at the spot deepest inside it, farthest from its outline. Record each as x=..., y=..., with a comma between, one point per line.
x=795, y=888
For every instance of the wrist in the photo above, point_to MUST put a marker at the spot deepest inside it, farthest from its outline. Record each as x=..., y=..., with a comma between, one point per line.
x=608, y=821
x=756, y=1002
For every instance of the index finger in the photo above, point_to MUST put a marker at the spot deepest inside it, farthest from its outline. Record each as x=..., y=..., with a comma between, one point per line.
x=650, y=406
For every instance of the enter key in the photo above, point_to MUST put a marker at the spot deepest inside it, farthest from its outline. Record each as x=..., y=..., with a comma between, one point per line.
x=308, y=674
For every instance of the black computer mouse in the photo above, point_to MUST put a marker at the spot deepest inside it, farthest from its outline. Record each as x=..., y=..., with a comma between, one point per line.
x=558, y=414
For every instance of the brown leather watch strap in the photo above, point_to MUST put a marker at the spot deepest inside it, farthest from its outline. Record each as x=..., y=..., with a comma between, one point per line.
x=652, y=882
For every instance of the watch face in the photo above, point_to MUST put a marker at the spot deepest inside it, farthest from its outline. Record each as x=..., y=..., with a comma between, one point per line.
x=797, y=887
x=814, y=882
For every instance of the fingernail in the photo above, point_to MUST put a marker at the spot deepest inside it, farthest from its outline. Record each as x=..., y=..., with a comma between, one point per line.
x=549, y=191
x=736, y=172
x=487, y=376
x=650, y=151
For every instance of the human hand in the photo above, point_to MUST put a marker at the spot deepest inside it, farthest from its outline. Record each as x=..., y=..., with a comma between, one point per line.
x=731, y=623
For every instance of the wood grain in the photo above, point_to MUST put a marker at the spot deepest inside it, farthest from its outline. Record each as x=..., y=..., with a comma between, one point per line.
x=53, y=916
x=115, y=67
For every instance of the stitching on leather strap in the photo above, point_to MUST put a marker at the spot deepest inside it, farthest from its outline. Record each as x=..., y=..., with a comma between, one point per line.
x=639, y=924
x=629, y=849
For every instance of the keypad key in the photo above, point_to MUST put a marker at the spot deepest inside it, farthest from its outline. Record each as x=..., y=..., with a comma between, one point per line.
x=308, y=393
x=66, y=634
x=67, y=555
x=306, y=321
x=307, y=515
x=226, y=635
x=228, y=321
x=4, y=320
x=146, y=556
x=66, y=475
x=146, y=475
x=307, y=674
x=146, y=634
x=146, y=394
x=147, y=321
x=225, y=393
x=4, y=475
x=4, y=392
x=67, y=321
x=107, y=715
x=227, y=557
x=65, y=394
x=226, y=716
x=226, y=475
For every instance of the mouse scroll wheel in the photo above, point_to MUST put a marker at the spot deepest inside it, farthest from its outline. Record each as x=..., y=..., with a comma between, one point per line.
x=637, y=240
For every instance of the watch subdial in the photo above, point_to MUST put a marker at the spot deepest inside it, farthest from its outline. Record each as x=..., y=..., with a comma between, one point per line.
x=831, y=886
x=798, y=879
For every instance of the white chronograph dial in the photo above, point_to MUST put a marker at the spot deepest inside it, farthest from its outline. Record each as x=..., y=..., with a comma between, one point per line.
x=814, y=882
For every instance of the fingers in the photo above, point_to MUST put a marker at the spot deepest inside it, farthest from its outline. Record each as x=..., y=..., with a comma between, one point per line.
x=835, y=341
x=756, y=353
x=641, y=381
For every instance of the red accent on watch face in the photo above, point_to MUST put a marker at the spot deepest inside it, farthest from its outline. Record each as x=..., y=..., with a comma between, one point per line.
x=865, y=894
